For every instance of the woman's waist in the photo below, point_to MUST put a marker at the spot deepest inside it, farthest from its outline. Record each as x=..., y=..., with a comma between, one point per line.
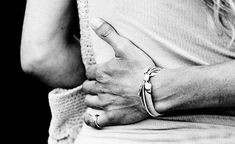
x=160, y=130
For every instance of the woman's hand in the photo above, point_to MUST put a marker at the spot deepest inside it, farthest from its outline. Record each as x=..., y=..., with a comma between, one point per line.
x=123, y=74
x=113, y=86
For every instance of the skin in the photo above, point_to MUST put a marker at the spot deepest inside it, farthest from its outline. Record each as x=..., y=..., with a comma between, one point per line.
x=49, y=49
x=51, y=52
x=185, y=88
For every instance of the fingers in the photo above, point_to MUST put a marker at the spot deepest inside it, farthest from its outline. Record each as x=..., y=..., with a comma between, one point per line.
x=119, y=116
x=91, y=72
x=106, y=119
x=93, y=101
x=98, y=72
x=93, y=87
x=114, y=117
x=102, y=101
x=106, y=32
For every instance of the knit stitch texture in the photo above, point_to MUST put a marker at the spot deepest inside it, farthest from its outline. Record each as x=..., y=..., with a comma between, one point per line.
x=67, y=105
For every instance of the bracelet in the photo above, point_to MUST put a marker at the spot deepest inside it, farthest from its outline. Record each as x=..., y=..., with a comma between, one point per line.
x=145, y=91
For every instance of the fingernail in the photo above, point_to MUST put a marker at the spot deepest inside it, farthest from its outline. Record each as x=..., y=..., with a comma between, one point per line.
x=96, y=23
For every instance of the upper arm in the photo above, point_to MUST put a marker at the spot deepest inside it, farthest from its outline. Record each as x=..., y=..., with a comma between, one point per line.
x=48, y=48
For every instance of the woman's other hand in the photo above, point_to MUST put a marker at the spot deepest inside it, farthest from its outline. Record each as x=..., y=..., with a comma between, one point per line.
x=113, y=86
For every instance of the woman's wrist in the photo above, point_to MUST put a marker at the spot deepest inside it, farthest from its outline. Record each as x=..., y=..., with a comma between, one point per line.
x=175, y=89
x=145, y=91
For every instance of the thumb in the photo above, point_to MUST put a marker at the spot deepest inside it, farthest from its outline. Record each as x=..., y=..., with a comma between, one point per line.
x=106, y=32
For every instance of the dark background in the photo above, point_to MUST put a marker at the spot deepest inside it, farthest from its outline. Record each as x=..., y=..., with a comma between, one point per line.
x=25, y=98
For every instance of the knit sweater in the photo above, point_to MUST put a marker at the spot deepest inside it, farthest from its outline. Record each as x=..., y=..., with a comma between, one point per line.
x=174, y=34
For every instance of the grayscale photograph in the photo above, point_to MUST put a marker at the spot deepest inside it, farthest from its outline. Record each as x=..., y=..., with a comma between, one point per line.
x=123, y=71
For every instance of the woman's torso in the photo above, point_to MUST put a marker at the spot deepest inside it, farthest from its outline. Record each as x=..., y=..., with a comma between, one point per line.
x=174, y=33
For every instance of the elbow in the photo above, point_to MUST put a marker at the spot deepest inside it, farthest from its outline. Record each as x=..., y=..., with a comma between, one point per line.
x=29, y=66
x=31, y=61
x=35, y=53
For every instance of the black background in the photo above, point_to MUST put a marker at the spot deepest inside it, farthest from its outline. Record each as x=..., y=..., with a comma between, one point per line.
x=24, y=99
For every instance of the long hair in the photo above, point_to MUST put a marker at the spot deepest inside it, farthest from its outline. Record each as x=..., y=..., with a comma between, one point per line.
x=224, y=15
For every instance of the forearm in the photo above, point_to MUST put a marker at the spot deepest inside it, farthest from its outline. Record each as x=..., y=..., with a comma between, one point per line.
x=48, y=49
x=195, y=87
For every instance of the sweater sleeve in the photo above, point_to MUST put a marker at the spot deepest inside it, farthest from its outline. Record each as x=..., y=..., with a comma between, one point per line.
x=67, y=105
x=67, y=108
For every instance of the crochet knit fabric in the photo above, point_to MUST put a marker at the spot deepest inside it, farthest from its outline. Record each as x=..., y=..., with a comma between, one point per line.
x=67, y=105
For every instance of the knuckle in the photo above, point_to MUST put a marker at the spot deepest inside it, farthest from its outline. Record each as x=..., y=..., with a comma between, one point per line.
x=121, y=91
x=101, y=76
x=106, y=30
x=90, y=71
x=111, y=117
x=115, y=90
x=86, y=101
x=99, y=72
x=103, y=90
x=84, y=86
x=97, y=84
x=98, y=75
x=100, y=87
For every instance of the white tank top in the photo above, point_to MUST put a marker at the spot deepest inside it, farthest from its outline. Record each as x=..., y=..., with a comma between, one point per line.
x=174, y=33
